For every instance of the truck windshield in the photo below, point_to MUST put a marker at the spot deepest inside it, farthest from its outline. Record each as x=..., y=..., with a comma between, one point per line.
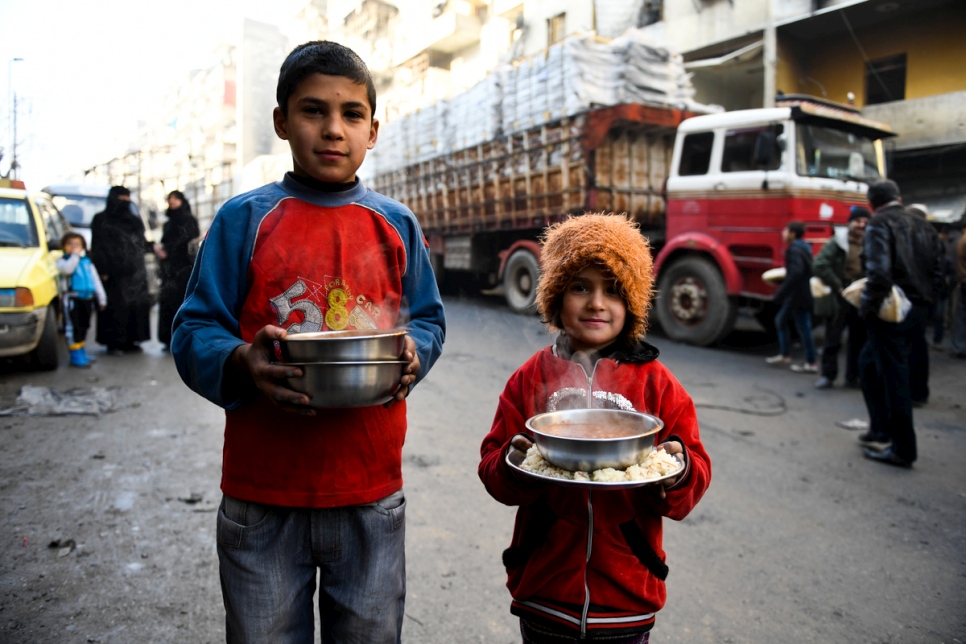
x=826, y=152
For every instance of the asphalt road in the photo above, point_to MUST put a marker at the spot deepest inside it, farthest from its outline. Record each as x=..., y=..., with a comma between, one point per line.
x=108, y=522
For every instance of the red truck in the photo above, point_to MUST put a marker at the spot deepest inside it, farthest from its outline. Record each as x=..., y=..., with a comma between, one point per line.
x=711, y=193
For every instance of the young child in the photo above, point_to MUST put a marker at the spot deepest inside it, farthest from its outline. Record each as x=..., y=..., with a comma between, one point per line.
x=81, y=284
x=794, y=298
x=572, y=582
x=313, y=490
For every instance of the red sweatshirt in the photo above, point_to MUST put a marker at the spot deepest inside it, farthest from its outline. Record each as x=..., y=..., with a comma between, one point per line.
x=591, y=562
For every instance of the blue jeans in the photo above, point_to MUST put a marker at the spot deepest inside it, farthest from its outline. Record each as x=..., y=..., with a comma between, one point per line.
x=803, y=323
x=270, y=558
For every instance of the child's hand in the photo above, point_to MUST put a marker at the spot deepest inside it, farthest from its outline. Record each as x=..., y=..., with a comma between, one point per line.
x=409, y=373
x=521, y=442
x=673, y=448
x=255, y=359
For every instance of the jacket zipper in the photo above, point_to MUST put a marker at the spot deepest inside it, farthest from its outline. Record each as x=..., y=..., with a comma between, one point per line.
x=590, y=517
x=590, y=547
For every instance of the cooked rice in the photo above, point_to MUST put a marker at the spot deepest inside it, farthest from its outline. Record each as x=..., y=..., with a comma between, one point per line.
x=657, y=464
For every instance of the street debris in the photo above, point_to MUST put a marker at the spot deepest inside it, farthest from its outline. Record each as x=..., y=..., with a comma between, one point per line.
x=44, y=401
x=64, y=546
x=191, y=499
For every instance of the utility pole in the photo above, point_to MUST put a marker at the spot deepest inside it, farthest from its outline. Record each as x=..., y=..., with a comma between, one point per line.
x=12, y=173
x=770, y=54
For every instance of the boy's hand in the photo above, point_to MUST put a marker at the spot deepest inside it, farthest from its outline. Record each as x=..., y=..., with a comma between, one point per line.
x=255, y=359
x=409, y=373
x=673, y=448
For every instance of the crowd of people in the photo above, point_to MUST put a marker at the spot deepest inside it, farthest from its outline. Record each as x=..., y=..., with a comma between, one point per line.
x=901, y=255
x=112, y=276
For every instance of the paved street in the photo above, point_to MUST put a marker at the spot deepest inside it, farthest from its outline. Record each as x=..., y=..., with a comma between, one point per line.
x=108, y=522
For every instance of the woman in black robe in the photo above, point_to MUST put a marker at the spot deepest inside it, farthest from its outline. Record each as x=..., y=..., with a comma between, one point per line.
x=118, y=246
x=179, y=231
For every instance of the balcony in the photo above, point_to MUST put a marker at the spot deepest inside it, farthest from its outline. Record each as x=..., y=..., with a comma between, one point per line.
x=924, y=122
x=448, y=33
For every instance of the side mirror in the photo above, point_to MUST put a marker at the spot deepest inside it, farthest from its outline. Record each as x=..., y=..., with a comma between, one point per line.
x=765, y=147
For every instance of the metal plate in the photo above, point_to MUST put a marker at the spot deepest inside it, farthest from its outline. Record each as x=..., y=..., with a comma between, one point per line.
x=515, y=457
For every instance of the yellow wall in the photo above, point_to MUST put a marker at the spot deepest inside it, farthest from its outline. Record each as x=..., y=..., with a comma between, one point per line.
x=933, y=42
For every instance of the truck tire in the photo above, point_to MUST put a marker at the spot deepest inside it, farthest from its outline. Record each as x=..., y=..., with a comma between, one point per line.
x=520, y=277
x=693, y=305
x=44, y=356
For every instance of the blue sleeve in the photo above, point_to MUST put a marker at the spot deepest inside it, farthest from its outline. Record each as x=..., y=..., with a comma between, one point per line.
x=206, y=328
x=421, y=310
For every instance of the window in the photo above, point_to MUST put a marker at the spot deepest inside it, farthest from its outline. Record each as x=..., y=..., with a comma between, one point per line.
x=885, y=80
x=17, y=226
x=556, y=28
x=827, y=152
x=696, y=154
x=739, y=150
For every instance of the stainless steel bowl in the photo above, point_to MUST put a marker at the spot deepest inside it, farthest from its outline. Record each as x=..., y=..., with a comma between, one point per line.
x=344, y=346
x=349, y=384
x=589, y=454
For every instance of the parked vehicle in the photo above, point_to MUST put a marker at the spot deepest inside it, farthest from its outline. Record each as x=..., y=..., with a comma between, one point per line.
x=712, y=194
x=80, y=202
x=30, y=301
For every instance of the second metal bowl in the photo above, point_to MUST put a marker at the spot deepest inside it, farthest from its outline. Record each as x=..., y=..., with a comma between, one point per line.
x=344, y=346
x=637, y=431
x=349, y=384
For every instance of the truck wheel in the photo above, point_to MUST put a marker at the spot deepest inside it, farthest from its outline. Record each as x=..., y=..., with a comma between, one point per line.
x=520, y=277
x=45, y=355
x=693, y=305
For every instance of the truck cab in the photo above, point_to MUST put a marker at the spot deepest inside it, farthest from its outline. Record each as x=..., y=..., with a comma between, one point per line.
x=737, y=178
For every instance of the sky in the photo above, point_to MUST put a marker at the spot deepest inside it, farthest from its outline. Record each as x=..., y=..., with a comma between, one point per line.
x=91, y=70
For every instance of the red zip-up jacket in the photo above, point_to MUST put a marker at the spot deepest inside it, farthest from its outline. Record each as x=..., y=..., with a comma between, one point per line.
x=591, y=562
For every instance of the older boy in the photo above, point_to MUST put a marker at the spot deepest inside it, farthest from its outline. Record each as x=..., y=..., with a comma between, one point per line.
x=314, y=493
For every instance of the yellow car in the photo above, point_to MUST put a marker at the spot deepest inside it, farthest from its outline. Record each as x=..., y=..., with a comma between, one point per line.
x=30, y=299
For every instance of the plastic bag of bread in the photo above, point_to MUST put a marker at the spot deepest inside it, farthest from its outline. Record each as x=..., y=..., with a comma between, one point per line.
x=774, y=275
x=819, y=288
x=894, y=308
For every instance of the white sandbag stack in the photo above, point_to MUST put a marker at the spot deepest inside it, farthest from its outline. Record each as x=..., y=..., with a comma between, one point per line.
x=428, y=128
x=571, y=77
x=474, y=115
x=654, y=75
x=594, y=72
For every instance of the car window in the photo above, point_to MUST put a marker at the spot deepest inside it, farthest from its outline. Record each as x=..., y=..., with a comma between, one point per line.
x=696, y=154
x=17, y=225
x=739, y=150
x=54, y=224
x=79, y=210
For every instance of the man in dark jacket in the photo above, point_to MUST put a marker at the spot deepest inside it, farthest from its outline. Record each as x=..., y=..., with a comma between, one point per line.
x=838, y=264
x=899, y=250
x=795, y=297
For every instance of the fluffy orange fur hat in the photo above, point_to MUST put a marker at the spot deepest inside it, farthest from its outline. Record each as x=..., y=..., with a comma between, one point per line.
x=607, y=239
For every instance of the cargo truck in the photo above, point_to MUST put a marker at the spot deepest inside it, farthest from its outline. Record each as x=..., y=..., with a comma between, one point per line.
x=710, y=192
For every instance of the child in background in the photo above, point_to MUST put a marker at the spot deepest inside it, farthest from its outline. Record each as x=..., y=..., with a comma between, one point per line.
x=81, y=284
x=794, y=297
x=569, y=582
x=312, y=499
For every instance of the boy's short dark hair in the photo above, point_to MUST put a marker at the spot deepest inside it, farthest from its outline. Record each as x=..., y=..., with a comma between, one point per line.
x=797, y=228
x=882, y=192
x=322, y=57
x=72, y=235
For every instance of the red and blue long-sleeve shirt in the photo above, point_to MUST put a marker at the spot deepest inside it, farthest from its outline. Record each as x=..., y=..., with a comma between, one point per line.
x=306, y=260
